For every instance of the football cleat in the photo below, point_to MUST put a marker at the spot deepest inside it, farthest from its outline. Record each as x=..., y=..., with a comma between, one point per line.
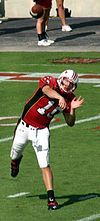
x=15, y=166
x=53, y=205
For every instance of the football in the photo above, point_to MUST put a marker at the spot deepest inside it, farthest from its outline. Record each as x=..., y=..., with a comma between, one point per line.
x=36, y=11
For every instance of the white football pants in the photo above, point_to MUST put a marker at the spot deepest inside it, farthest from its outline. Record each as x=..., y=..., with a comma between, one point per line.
x=40, y=142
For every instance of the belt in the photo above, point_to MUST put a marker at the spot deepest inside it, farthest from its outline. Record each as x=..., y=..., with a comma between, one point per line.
x=27, y=125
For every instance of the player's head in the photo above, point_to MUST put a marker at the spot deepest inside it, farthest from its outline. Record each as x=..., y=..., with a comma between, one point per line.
x=67, y=81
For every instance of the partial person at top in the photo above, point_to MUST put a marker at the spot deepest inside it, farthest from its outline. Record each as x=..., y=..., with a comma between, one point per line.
x=43, y=39
x=61, y=14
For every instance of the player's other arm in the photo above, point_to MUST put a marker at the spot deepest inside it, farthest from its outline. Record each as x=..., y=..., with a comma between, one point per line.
x=70, y=117
x=51, y=93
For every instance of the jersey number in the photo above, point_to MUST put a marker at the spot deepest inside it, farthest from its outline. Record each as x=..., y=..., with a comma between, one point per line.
x=42, y=110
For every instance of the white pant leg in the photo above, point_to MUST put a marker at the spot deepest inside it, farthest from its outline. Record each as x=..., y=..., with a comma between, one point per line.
x=42, y=146
x=20, y=139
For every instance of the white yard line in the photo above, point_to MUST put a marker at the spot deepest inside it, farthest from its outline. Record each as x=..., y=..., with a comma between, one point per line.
x=6, y=139
x=98, y=85
x=59, y=126
x=8, y=117
x=7, y=125
x=18, y=195
x=90, y=218
x=77, y=122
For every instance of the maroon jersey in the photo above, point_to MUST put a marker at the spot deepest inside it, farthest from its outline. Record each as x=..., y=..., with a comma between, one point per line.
x=40, y=109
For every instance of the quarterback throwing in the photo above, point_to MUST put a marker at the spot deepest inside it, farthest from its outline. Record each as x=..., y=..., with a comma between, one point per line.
x=51, y=97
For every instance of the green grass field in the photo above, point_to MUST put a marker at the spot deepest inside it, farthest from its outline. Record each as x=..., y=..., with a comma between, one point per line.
x=74, y=151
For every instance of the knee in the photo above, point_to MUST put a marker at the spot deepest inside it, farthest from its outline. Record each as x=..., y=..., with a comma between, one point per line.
x=43, y=161
x=45, y=168
x=14, y=154
x=43, y=165
x=60, y=7
x=40, y=21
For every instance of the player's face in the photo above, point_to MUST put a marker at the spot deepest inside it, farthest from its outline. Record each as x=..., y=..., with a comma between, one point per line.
x=66, y=85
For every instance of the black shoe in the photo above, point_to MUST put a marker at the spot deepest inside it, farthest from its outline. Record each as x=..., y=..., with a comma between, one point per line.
x=53, y=205
x=15, y=166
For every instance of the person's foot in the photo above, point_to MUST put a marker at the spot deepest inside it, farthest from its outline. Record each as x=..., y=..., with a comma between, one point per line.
x=44, y=42
x=15, y=166
x=53, y=205
x=66, y=28
x=50, y=41
x=47, y=38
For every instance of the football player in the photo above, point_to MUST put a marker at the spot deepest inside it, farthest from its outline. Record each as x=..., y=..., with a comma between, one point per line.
x=53, y=95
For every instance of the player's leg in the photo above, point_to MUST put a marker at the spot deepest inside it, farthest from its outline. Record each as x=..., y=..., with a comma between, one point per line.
x=61, y=12
x=46, y=18
x=47, y=177
x=40, y=27
x=48, y=182
x=42, y=152
x=19, y=141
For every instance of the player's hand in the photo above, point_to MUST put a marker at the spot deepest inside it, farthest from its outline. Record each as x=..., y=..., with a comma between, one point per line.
x=77, y=102
x=62, y=103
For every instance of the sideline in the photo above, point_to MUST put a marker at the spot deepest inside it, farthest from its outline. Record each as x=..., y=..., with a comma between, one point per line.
x=59, y=126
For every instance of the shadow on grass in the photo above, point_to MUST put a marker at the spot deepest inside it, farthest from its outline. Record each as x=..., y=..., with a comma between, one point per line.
x=70, y=198
x=77, y=198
